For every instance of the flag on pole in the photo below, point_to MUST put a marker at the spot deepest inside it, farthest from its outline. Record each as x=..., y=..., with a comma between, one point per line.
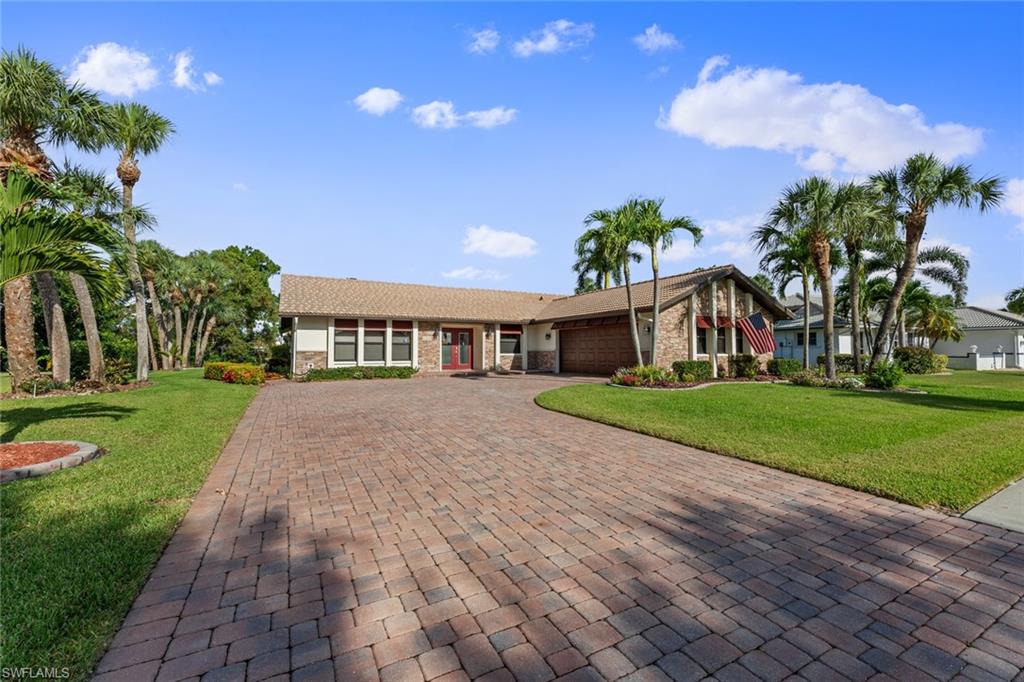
x=759, y=336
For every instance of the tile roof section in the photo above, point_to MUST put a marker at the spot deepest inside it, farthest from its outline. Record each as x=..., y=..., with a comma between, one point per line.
x=974, y=317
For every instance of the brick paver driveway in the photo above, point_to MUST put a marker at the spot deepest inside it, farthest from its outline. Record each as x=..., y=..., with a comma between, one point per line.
x=450, y=529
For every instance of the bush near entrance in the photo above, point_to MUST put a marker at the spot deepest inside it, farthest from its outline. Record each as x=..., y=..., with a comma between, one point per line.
x=844, y=362
x=884, y=375
x=784, y=367
x=700, y=370
x=341, y=373
x=744, y=366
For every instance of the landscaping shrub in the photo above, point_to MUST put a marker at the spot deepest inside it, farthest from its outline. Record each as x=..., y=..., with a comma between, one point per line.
x=744, y=366
x=844, y=362
x=234, y=373
x=784, y=367
x=39, y=385
x=807, y=377
x=699, y=369
x=650, y=376
x=884, y=375
x=280, y=358
x=341, y=373
x=119, y=371
x=918, y=360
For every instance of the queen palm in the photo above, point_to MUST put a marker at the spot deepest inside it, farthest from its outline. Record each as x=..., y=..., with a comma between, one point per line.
x=786, y=257
x=594, y=257
x=136, y=130
x=37, y=107
x=1015, y=301
x=922, y=184
x=656, y=233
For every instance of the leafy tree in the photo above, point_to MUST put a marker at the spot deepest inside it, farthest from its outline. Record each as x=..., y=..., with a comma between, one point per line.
x=764, y=281
x=1015, y=301
x=912, y=191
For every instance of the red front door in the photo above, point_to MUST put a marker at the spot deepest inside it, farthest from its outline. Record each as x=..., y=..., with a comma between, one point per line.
x=456, y=348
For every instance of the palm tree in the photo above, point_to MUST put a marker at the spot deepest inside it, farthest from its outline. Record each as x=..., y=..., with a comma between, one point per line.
x=764, y=281
x=922, y=184
x=656, y=233
x=38, y=107
x=935, y=319
x=136, y=130
x=1015, y=301
x=941, y=264
x=155, y=262
x=594, y=257
x=618, y=233
x=786, y=257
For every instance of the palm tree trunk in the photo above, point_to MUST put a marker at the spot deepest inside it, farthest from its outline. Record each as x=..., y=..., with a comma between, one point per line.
x=97, y=369
x=205, y=342
x=138, y=291
x=199, y=335
x=901, y=328
x=161, y=324
x=607, y=279
x=193, y=313
x=820, y=253
x=152, y=348
x=854, y=286
x=634, y=334
x=20, y=336
x=56, y=327
x=806, y=280
x=914, y=225
x=177, y=331
x=655, y=312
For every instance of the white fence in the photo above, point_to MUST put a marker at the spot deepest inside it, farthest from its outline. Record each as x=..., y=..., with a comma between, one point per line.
x=979, y=361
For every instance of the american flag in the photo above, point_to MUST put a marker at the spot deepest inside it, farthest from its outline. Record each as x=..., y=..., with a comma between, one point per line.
x=759, y=336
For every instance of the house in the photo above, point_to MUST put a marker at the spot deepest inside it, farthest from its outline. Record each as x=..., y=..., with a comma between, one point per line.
x=993, y=339
x=789, y=334
x=347, y=322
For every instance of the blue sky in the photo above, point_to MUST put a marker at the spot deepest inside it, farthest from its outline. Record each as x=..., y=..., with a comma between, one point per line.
x=495, y=128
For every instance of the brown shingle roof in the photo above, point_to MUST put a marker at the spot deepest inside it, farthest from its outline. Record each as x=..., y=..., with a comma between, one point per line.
x=302, y=295
x=331, y=297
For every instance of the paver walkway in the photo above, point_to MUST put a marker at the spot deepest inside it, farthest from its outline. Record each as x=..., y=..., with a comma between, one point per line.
x=450, y=529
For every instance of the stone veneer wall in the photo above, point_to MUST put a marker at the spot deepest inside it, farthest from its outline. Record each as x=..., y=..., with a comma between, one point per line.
x=317, y=357
x=429, y=346
x=487, y=357
x=674, y=334
x=541, y=360
x=510, y=361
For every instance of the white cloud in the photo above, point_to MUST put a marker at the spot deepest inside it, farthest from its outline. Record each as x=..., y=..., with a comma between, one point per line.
x=378, y=101
x=1013, y=202
x=740, y=226
x=939, y=240
x=185, y=75
x=491, y=118
x=470, y=272
x=824, y=125
x=653, y=39
x=436, y=114
x=484, y=41
x=240, y=187
x=114, y=69
x=555, y=36
x=497, y=243
x=212, y=78
x=659, y=72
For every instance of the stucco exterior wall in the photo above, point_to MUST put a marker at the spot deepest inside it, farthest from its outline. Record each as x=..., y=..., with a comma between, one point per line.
x=987, y=340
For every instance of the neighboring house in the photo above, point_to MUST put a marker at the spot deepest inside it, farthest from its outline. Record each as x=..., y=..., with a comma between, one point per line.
x=347, y=322
x=789, y=334
x=993, y=339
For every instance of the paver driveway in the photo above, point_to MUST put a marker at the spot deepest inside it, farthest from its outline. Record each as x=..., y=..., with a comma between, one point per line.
x=450, y=529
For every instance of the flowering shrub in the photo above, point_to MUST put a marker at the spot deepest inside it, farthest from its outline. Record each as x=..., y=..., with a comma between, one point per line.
x=234, y=373
x=647, y=376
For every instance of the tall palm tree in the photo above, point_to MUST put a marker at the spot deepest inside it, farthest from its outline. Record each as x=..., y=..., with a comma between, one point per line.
x=941, y=264
x=618, y=233
x=764, y=281
x=594, y=257
x=155, y=262
x=37, y=107
x=136, y=130
x=785, y=257
x=935, y=319
x=655, y=231
x=1015, y=301
x=922, y=184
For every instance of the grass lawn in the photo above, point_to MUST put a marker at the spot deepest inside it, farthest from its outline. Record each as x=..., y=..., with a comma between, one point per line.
x=77, y=545
x=5, y=382
x=950, y=448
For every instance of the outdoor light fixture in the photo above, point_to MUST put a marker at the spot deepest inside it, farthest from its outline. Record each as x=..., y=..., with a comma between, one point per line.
x=547, y=336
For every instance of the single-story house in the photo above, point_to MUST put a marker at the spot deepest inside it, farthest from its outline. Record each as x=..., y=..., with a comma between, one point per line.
x=347, y=322
x=993, y=339
x=789, y=334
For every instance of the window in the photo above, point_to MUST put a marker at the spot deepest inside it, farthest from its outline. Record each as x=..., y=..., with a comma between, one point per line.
x=813, y=338
x=401, y=341
x=702, y=341
x=721, y=339
x=510, y=342
x=373, y=340
x=345, y=340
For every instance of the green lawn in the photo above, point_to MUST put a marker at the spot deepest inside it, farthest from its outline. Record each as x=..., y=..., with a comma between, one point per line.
x=950, y=448
x=77, y=545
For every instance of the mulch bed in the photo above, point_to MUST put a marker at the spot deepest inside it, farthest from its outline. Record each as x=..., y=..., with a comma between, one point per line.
x=80, y=388
x=14, y=455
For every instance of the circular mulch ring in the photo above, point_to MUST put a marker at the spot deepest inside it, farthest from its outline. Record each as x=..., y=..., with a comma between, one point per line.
x=38, y=458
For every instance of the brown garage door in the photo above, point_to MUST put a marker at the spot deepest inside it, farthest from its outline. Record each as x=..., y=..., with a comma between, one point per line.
x=596, y=350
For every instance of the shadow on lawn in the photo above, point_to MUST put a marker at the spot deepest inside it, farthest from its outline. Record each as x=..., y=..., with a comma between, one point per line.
x=17, y=419
x=938, y=401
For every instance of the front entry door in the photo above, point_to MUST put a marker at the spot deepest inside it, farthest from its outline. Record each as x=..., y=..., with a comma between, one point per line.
x=456, y=349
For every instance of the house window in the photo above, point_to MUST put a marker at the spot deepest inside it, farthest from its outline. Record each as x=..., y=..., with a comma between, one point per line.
x=702, y=341
x=721, y=339
x=800, y=338
x=345, y=340
x=510, y=342
x=401, y=341
x=373, y=340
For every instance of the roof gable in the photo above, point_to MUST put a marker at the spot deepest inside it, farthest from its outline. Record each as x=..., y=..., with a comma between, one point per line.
x=976, y=317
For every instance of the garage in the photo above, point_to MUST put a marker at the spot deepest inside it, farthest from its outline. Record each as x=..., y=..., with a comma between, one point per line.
x=598, y=346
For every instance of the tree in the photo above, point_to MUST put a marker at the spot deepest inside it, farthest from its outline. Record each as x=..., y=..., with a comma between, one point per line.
x=594, y=256
x=941, y=264
x=618, y=232
x=912, y=191
x=655, y=231
x=934, y=318
x=764, y=281
x=135, y=130
x=38, y=107
x=786, y=257
x=1015, y=301
x=155, y=262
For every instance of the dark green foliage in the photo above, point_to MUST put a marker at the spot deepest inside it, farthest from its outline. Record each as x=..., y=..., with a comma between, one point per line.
x=280, y=358
x=744, y=366
x=784, y=367
x=649, y=376
x=884, y=375
x=700, y=370
x=917, y=360
x=119, y=370
x=336, y=373
x=41, y=384
x=844, y=362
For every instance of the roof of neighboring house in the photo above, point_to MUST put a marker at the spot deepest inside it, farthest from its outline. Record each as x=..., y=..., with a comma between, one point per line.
x=975, y=317
x=797, y=301
x=817, y=322
x=330, y=297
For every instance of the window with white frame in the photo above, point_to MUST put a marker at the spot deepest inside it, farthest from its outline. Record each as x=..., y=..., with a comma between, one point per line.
x=374, y=332
x=401, y=341
x=345, y=334
x=510, y=341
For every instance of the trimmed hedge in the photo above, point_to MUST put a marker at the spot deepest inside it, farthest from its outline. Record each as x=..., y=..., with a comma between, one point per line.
x=844, y=362
x=342, y=373
x=744, y=366
x=917, y=360
x=884, y=375
x=700, y=370
x=234, y=373
x=784, y=367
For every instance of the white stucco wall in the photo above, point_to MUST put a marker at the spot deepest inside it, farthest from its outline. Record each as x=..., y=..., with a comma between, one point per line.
x=987, y=340
x=535, y=337
x=311, y=334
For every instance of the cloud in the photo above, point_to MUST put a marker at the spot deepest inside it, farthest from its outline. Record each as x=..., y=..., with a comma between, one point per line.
x=497, y=243
x=184, y=75
x=378, y=101
x=240, y=187
x=825, y=126
x=555, y=36
x=1013, y=202
x=659, y=72
x=114, y=69
x=740, y=226
x=939, y=240
x=484, y=41
x=470, y=272
x=653, y=39
x=438, y=114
